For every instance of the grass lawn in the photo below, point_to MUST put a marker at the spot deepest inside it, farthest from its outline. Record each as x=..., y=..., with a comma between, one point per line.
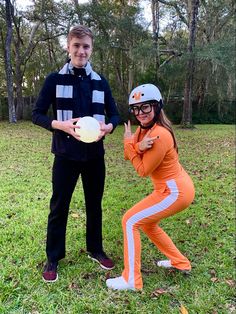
x=204, y=232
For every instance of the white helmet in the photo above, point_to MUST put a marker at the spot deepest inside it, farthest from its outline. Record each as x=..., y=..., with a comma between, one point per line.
x=143, y=93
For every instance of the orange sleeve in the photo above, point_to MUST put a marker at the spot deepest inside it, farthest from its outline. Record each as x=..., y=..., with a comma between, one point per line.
x=127, y=141
x=146, y=163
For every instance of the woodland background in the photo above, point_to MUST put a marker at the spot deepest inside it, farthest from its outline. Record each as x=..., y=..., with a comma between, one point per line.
x=187, y=48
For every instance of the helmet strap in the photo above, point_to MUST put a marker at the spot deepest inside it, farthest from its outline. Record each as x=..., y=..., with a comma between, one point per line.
x=147, y=126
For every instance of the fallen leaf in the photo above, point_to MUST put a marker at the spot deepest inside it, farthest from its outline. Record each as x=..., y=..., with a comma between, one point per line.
x=183, y=309
x=73, y=286
x=214, y=279
x=230, y=282
x=231, y=308
x=74, y=215
x=158, y=292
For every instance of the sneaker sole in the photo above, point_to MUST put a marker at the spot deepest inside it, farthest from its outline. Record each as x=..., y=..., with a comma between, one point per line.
x=48, y=281
x=183, y=271
x=102, y=266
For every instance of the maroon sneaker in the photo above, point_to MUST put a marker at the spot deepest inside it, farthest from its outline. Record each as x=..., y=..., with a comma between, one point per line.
x=102, y=259
x=50, y=272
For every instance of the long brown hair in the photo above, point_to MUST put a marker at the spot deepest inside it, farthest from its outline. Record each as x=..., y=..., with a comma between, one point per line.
x=166, y=123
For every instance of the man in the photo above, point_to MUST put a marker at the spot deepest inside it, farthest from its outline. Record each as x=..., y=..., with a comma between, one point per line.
x=75, y=91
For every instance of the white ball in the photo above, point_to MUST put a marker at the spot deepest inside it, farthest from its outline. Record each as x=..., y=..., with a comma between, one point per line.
x=89, y=129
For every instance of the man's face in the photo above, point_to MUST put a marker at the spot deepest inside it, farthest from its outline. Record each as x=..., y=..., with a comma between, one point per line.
x=80, y=50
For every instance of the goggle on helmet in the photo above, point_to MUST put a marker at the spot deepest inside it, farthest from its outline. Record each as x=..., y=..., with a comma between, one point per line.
x=145, y=93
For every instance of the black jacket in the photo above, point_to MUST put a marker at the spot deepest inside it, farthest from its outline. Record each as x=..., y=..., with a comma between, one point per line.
x=81, y=105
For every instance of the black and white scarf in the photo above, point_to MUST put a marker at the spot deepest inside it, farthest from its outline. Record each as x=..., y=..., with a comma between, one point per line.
x=66, y=92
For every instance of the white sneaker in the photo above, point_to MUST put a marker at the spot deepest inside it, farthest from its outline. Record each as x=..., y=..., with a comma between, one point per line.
x=167, y=264
x=118, y=283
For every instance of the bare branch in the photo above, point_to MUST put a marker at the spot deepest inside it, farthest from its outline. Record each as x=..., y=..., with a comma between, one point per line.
x=178, y=11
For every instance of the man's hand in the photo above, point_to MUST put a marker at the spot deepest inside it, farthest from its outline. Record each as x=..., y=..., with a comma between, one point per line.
x=105, y=129
x=67, y=126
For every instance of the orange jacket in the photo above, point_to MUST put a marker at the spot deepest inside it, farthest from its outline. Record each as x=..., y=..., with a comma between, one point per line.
x=160, y=162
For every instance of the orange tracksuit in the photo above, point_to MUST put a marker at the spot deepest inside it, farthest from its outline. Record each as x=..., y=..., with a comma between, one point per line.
x=173, y=192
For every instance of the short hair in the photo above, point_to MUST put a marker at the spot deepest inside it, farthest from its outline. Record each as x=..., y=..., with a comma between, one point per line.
x=79, y=31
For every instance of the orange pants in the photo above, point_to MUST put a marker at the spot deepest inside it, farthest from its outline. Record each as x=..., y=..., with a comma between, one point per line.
x=174, y=196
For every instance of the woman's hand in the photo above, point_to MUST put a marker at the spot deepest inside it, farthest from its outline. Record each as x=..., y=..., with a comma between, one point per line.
x=128, y=133
x=147, y=142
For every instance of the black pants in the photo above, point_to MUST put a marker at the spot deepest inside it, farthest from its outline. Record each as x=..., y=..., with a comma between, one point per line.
x=64, y=178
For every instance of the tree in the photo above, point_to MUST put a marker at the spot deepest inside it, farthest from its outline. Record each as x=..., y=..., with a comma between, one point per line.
x=188, y=89
x=183, y=57
x=155, y=31
x=8, y=63
x=117, y=37
x=21, y=57
x=215, y=54
x=30, y=30
x=40, y=23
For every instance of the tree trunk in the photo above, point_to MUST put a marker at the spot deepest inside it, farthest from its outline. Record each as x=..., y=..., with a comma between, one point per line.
x=187, y=107
x=130, y=72
x=155, y=31
x=18, y=80
x=8, y=68
x=19, y=97
x=22, y=56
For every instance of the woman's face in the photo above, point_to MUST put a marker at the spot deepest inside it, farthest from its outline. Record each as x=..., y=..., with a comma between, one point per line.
x=144, y=113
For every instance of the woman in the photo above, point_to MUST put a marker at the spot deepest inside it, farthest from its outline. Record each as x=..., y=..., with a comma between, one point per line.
x=153, y=152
